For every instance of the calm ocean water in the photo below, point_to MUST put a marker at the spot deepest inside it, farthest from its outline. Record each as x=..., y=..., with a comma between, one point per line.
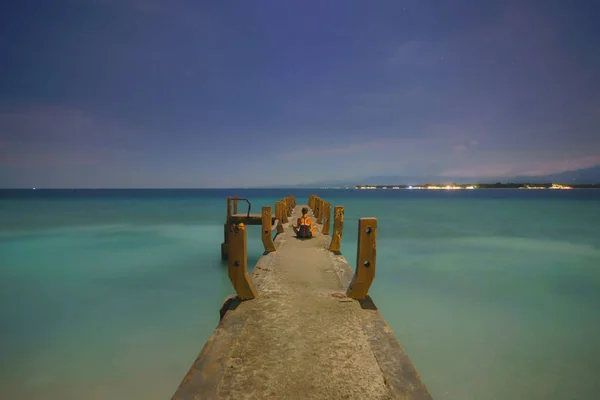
x=112, y=294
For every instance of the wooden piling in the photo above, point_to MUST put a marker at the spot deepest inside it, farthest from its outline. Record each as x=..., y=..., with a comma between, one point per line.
x=338, y=227
x=225, y=244
x=279, y=216
x=235, y=205
x=284, y=213
x=321, y=211
x=267, y=232
x=326, y=218
x=238, y=263
x=365, y=259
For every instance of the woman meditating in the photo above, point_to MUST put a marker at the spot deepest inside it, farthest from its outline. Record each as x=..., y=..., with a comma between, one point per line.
x=305, y=229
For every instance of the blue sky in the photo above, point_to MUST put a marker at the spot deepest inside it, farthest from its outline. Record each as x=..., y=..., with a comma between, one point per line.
x=157, y=93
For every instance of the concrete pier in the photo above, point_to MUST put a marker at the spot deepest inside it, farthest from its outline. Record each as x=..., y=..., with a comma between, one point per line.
x=301, y=337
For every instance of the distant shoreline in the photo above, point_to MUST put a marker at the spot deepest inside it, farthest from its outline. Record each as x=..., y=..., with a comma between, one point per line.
x=526, y=186
x=533, y=186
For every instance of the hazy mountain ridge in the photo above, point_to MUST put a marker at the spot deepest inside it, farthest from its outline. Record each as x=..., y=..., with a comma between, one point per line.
x=581, y=176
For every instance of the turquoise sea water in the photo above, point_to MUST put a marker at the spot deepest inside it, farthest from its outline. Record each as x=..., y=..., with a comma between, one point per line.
x=111, y=294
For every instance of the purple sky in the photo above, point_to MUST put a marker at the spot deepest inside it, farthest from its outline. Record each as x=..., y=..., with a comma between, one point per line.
x=174, y=93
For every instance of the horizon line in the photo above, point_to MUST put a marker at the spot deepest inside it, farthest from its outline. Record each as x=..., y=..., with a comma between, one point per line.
x=288, y=187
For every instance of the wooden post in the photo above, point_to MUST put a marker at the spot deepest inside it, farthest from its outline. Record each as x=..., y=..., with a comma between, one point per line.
x=365, y=259
x=338, y=227
x=238, y=263
x=225, y=245
x=284, y=218
x=235, y=205
x=267, y=234
x=326, y=218
x=310, y=201
x=279, y=216
x=317, y=210
x=321, y=211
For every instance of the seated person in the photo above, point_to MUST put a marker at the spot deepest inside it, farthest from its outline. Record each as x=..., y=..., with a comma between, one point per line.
x=305, y=228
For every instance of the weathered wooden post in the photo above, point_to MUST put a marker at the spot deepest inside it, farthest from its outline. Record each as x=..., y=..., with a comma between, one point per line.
x=321, y=210
x=267, y=229
x=338, y=227
x=238, y=263
x=317, y=211
x=284, y=211
x=279, y=216
x=235, y=205
x=225, y=244
x=326, y=218
x=365, y=259
x=310, y=201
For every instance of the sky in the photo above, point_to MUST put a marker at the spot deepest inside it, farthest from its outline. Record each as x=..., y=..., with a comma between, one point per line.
x=177, y=93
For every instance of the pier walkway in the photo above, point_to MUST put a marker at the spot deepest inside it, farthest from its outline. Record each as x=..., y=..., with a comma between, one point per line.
x=301, y=337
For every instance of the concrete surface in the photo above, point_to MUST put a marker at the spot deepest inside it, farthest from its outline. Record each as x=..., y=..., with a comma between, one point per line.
x=302, y=338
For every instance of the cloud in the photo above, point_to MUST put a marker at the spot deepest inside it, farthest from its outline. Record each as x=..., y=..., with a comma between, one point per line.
x=312, y=152
x=41, y=137
x=367, y=147
x=465, y=146
x=36, y=160
x=55, y=124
